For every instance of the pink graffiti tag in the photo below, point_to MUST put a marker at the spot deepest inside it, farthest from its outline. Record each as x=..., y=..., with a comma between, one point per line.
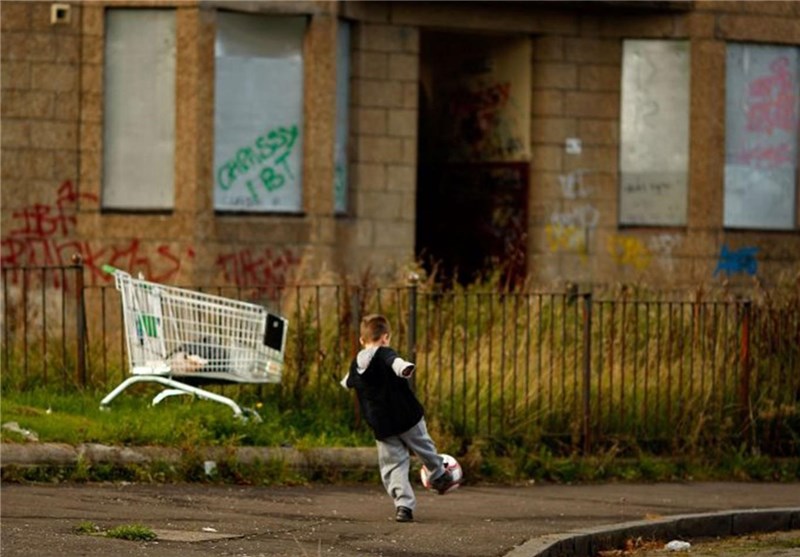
x=773, y=155
x=772, y=99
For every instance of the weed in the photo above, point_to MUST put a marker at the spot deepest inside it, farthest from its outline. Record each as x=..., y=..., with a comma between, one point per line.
x=133, y=532
x=86, y=527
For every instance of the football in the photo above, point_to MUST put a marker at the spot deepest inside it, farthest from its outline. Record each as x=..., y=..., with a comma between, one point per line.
x=452, y=466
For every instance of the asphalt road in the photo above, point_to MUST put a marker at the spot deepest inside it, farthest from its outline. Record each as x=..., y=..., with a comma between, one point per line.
x=342, y=521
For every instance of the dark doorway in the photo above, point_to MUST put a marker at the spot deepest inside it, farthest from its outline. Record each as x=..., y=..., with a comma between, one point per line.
x=472, y=183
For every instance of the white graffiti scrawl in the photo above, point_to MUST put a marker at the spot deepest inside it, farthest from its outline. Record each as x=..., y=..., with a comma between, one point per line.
x=569, y=230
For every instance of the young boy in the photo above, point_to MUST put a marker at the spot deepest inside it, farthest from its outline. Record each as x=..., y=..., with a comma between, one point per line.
x=380, y=378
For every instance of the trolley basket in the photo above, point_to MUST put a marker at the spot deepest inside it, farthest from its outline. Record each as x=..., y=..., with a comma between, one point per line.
x=183, y=339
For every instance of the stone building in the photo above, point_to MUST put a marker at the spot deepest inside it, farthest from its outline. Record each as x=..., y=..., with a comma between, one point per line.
x=260, y=142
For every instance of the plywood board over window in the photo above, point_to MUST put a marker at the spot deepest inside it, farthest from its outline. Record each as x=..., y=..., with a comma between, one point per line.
x=258, y=113
x=654, y=139
x=139, y=110
x=761, y=127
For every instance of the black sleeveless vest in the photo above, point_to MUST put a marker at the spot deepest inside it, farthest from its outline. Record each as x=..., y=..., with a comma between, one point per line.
x=387, y=402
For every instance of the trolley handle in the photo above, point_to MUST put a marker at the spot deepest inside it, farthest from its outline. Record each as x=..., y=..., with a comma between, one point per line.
x=119, y=275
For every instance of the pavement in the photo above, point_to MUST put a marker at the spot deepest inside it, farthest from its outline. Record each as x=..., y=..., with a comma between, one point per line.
x=530, y=520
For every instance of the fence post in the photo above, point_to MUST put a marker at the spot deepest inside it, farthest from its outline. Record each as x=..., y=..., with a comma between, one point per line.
x=744, y=362
x=80, y=319
x=587, y=371
x=413, y=283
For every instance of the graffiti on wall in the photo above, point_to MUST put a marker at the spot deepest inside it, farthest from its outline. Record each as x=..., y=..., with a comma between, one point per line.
x=732, y=262
x=761, y=136
x=771, y=101
x=39, y=235
x=476, y=99
x=257, y=267
x=480, y=123
x=628, y=250
x=260, y=167
x=572, y=186
x=569, y=230
x=663, y=246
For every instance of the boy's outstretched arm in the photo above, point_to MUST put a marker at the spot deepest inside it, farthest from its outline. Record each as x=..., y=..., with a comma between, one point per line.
x=402, y=367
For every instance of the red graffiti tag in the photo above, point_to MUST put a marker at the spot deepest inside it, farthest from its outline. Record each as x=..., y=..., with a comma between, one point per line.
x=491, y=98
x=40, y=237
x=266, y=268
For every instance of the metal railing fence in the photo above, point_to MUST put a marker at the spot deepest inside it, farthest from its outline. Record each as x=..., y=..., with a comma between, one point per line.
x=579, y=370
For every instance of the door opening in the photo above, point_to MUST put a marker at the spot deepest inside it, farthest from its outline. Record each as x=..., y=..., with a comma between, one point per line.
x=472, y=183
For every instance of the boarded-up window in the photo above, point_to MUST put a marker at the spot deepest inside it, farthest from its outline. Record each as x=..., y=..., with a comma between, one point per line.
x=139, y=109
x=258, y=113
x=761, y=121
x=342, y=116
x=654, y=140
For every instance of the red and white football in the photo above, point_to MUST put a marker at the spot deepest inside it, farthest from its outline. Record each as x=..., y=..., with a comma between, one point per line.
x=452, y=466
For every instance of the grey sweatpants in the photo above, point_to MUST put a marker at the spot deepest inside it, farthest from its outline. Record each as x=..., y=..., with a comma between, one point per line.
x=394, y=460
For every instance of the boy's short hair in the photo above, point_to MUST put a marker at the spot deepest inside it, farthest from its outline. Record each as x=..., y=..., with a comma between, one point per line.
x=374, y=326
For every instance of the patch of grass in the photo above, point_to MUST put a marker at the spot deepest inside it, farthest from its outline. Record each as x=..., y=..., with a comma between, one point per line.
x=133, y=532
x=74, y=417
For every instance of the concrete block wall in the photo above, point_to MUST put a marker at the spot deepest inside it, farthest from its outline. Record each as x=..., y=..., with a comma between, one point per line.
x=576, y=73
x=380, y=226
x=574, y=233
x=576, y=76
x=40, y=134
x=51, y=135
x=52, y=141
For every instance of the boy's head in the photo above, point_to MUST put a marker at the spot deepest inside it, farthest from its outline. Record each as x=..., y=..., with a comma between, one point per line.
x=375, y=329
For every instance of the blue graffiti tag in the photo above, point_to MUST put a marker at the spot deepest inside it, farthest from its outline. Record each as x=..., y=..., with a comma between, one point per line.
x=737, y=261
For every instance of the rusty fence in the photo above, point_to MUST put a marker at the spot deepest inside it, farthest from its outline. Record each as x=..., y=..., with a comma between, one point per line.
x=583, y=371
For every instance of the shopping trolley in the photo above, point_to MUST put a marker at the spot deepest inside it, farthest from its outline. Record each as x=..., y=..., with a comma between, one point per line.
x=183, y=339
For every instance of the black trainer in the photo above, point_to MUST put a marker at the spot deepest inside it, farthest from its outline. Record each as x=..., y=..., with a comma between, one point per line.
x=404, y=514
x=443, y=483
